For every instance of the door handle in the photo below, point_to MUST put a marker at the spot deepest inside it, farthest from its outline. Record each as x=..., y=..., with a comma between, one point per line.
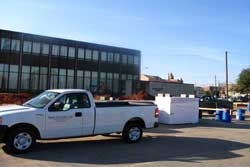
x=78, y=114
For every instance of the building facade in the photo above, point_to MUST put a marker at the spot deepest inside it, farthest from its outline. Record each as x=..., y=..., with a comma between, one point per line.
x=33, y=63
x=154, y=85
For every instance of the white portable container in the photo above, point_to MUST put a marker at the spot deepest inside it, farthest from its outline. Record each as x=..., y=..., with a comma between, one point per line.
x=177, y=110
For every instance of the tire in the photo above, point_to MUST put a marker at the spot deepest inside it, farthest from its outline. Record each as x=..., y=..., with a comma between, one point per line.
x=20, y=140
x=132, y=133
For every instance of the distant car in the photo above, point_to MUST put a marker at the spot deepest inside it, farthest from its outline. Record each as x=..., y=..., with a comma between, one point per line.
x=212, y=102
x=240, y=99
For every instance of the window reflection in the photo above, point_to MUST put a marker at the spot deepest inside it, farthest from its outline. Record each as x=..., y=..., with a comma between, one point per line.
x=87, y=80
x=94, y=78
x=45, y=49
x=54, y=78
x=43, y=78
x=70, y=78
x=15, y=45
x=5, y=44
x=95, y=55
x=103, y=56
x=72, y=52
x=25, y=79
x=27, y=47
x=36, y=48
x=79, y=79
x=55, y=50
x=80, y=53
x=62, y=78
x=34, y=77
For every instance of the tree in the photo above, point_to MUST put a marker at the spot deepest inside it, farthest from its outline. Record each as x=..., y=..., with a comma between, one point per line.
x=243, y=82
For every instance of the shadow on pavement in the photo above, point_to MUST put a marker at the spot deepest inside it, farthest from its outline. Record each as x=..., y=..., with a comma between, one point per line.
x=150, y=149
x=210, y=123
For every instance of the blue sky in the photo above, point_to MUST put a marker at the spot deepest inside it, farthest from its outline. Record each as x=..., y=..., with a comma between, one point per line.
x=186, y=37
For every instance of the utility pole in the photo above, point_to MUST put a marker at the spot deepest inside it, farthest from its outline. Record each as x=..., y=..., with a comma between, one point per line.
x=215, y=81
x=226, y=75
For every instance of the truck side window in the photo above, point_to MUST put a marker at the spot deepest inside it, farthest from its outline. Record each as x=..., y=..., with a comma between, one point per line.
x=71, y=101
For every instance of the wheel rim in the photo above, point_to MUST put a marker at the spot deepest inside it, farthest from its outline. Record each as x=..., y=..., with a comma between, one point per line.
x=22, y=141
x=134, y=133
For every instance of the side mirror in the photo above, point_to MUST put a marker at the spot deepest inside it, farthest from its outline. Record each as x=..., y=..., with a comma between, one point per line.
x=57, y=105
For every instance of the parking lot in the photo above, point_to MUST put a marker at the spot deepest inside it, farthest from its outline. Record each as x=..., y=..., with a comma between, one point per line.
x=208, y=143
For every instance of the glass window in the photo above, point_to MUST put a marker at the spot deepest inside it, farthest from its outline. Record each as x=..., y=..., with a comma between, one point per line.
x=124, y=76
x=27, y=46
x=36, y=48
x=4, y=75
x=103, y=86
x=62, y=78
x=94, y=80
x=136, y=60
x=71, y=52
x=130, y=76
x=109, y=82
x=25, y=79
x=1, y=67
x=116, y=83
x=5, y=44
x=63, y=51
x=80, y=53
x=71, y=101
x=103, y=56
x=41, y=100
x=79, y=79
x=87, y=80
x=55, y=50
x=35, y=69
x=34, y=78
x=43, y=78
x=124, y=59
x=110, y=57
x=54, y=78
x=130, y=59
x=136, y=77
x=70, y=78
x=117, y=58
x=15, y=45
x=43, y=70
x=26, y=69
x=45, y=49
x=95, y=55
x=88, y=55
x=13, y=68
x=13, y=75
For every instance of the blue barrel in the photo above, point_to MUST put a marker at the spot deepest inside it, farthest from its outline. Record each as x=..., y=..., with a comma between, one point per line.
x=248, y=107
x=240, y=115
x=226, y=117
x=218, y=115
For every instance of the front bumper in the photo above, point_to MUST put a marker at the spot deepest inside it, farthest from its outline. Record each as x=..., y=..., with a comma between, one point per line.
x=3, y=130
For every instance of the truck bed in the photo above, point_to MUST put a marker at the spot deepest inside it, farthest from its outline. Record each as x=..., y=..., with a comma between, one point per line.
x=101, y=104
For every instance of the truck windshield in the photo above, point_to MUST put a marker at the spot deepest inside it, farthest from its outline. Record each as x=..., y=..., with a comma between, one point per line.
x=41, y=100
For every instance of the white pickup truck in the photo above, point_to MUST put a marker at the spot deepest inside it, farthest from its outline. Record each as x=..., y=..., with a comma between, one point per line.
x=65, y=113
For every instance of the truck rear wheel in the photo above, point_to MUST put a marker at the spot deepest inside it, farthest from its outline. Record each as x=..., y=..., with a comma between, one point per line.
x=20, y=140
x=132, y=133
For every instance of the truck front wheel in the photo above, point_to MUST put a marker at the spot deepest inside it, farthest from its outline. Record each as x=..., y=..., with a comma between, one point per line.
x=20, y=140
x=132, y=133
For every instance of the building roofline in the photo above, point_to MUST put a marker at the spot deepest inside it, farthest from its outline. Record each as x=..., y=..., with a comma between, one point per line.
x=71, y=40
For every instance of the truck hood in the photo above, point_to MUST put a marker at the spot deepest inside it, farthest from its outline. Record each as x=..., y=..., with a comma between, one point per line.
x=12, y=108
